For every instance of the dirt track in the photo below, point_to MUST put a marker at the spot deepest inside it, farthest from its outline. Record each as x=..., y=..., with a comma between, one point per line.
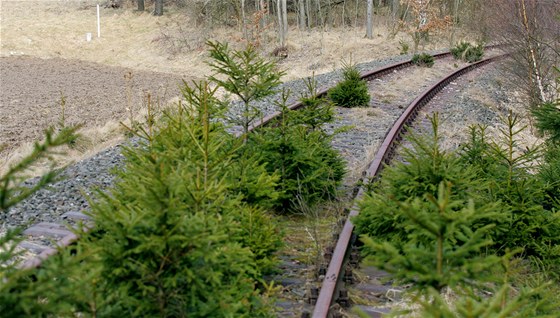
x=31, y=88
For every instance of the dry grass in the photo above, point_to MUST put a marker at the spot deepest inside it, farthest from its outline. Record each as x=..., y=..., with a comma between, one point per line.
x=132, y=39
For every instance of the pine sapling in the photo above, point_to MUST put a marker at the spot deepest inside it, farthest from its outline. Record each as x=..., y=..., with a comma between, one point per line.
x=244, y=74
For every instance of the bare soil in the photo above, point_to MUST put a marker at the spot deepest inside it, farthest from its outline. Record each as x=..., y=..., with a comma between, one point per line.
x=37, y=93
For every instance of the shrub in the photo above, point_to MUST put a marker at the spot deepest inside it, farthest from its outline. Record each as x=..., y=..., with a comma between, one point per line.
x=352, y=91
x=178, y=238
x=468, y=52
x=424, y=59
x=309, y=168
x=247, y=76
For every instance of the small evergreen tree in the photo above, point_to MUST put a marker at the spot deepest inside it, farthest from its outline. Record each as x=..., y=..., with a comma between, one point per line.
x=174, y=238
x=352, y=91
x=468, y=52
x=308, y=167
x=452, y=239
x=429, y=221
x=246, y=75
x=548, y=120
x=549, y=174
x=316, y=111
x=11, y=190
x=424, y=60
x=509, y=178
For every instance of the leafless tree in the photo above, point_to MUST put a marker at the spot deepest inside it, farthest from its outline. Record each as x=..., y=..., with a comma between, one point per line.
x=532, y=30
x=369, y=26
x=282, y=15
x=158, y=7
x=302, y=18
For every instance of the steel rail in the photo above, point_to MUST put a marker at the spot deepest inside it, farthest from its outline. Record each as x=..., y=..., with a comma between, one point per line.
x=330, y=286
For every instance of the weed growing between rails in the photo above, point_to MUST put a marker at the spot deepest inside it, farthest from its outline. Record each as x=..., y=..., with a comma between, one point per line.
x=448, y=220
x=352, y=91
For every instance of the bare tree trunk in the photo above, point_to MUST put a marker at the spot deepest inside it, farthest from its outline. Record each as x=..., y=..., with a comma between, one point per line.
x=285, y=19
x=395, y=9
x=532, y=54
x=265, y=13
x=369, y=26
x=320, y=20
x=243, y=21
x=280, y=22
x=343, y=23
x=308, y=13
x=356, y=17
x=301, y=9
x=455, y=20
x=158, y=7
x=140, y=5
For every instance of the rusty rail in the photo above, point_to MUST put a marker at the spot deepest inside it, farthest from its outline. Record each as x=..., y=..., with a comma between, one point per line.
x=333, y=277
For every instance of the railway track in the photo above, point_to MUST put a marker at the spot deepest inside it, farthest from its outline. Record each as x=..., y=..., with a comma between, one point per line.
x=64, y=237
x=337, y=271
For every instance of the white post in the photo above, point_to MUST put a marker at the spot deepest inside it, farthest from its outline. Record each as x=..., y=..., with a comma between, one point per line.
x=98, y=23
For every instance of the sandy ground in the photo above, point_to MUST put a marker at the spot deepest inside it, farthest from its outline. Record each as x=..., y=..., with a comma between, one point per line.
x=44, y=53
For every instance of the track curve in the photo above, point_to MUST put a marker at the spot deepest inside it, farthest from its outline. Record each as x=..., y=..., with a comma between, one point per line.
x=330, y=287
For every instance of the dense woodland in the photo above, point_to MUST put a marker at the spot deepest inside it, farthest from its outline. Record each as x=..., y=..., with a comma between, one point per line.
x=190, y=230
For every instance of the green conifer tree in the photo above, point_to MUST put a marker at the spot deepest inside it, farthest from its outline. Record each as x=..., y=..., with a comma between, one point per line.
x=532, y=221
x=352, y=91
x=246, y=75
x=308, y=167
x=172, y=238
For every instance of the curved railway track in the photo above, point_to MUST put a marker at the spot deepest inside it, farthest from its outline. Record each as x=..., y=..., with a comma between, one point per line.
x=335, y=272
